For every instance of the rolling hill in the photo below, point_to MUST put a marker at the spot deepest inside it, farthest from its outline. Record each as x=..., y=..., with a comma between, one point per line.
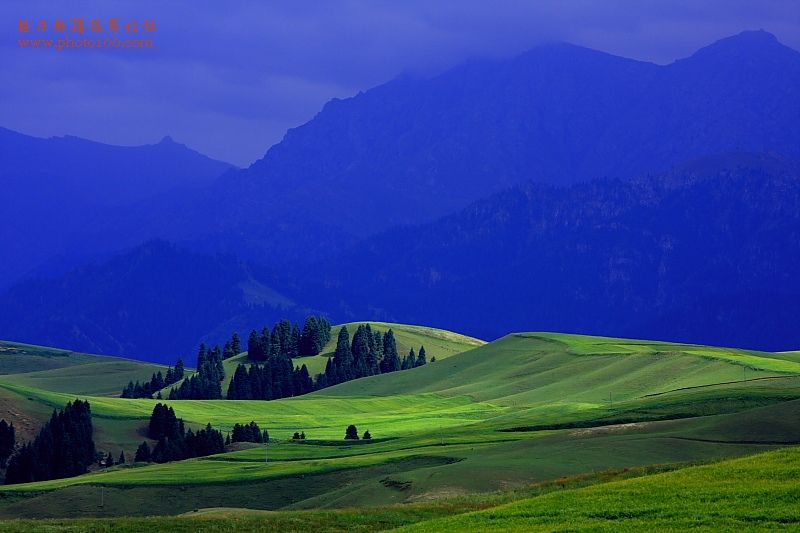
x=516, y=413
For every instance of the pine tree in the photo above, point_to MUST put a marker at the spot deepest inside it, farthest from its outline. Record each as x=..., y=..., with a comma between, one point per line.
x=351, y=433
x=254, y=350
x=109, y=460
x=421, y=358
x=310, y=339
x=142, y=453
x=342, y=362
x=8, y=441
x=367, y=435
x=236, y=343
x=179, y=371
x=391, y=360
x=121, y=459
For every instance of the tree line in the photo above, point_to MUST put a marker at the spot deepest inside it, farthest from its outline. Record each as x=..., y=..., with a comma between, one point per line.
x=62, y=448
x=157, y=382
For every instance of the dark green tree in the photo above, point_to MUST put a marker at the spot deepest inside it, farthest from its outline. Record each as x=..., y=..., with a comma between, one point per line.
x=351, y=433
x=391, y=360
x=421, y=358
x=236, y=343
x=142, y=453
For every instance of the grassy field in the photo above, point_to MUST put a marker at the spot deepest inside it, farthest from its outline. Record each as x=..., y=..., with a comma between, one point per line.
x=518, y=412
x=759, y=492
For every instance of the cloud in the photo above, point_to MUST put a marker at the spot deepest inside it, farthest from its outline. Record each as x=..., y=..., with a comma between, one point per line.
x=228, y=78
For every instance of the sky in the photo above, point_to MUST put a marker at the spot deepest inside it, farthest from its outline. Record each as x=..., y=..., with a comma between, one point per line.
x=228, y=78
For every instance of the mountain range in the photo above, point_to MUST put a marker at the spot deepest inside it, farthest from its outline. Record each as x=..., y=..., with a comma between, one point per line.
x=563, y=189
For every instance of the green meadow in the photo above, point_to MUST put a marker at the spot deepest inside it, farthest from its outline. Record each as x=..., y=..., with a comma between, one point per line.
x=534, y=430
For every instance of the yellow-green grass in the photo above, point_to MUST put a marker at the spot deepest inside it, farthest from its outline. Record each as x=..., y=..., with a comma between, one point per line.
x=758, y=492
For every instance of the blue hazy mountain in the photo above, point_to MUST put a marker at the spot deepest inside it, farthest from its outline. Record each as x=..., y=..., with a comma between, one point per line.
x=59, y=190
x=412, y=150
x=415, y=149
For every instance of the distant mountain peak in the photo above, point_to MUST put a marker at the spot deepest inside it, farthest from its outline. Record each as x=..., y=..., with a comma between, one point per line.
x=749, y=44
x=167, y=139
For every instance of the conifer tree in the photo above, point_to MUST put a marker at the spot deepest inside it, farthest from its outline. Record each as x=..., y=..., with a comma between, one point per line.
x=121, y=459
x=310, y=340
x=254, y=346
x=236, y=343
x=351, y=433
x=391, y=359
x=421, y=358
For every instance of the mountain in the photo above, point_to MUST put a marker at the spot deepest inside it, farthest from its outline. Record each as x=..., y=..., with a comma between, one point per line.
x=412, y=150
x=357, y=206
x=415, y=149
x=154, y=302
x=703, y=253
x=62, y=185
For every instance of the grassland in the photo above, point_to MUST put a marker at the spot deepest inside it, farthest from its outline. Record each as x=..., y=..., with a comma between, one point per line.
x=519, y=412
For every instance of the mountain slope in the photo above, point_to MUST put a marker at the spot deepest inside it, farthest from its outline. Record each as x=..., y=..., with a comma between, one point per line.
x=701, y=254
x=414, y=149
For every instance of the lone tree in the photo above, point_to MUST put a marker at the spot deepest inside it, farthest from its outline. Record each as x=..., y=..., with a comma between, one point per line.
x=351, y=433
x=121, y=459
x=367, y=435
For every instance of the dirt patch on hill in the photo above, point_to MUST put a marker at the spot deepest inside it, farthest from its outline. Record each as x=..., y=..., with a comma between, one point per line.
x=608, y=430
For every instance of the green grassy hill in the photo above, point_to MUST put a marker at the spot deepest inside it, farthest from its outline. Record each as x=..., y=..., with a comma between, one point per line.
x=523, y=410
x=758, y=492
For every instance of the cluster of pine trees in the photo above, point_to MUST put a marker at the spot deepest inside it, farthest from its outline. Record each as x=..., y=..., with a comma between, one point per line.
x=63, y=447
x=412, y=361
x=232, y=347
x=8, y=441
x=174, y=442
x=157, y=382
x=247, y=433
x=368, y=354
x=206, y=383
x=288, y=340
x=276, y=378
